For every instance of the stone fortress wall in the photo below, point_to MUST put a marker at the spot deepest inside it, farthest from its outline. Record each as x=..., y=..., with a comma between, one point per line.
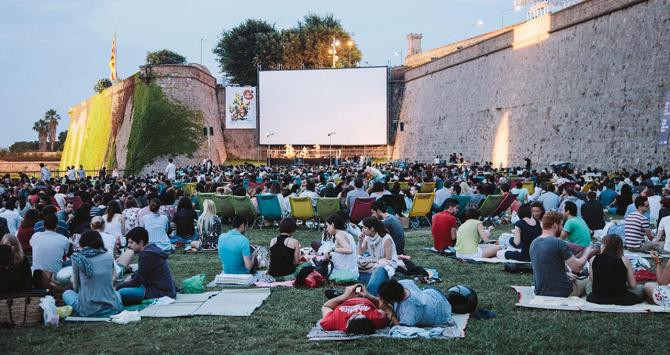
x=586, y=84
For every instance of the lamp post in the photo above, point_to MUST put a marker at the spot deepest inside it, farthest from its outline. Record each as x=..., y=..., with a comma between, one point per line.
x=333, y=49
x=502, y=14
x=350, y=44
x=268, y=135
x=476, y=24
x=399, y=54
x=330, y=150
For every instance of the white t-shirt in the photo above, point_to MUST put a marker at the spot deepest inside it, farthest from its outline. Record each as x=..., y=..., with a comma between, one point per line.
x=109, y=241
x=171, y=171
x=654, y=207
x=48, y=250
x=664, y=225
x=60, y=198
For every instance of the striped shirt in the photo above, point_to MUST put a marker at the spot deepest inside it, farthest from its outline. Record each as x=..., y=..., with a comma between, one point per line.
x=636, y=224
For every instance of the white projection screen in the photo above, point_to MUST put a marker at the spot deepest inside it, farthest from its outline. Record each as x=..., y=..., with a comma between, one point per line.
x=300, y=107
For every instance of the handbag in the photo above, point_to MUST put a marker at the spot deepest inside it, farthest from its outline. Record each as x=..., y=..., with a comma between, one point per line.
x=21, y=308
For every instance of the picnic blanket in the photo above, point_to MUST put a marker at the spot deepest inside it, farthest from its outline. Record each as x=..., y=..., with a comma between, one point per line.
x=456, y=331
x=527, y=298
x=233, y=302
x=492, y=260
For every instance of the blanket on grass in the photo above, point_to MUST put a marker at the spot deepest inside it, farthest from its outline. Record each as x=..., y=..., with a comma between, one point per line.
x=456, y=331
x=527, y=298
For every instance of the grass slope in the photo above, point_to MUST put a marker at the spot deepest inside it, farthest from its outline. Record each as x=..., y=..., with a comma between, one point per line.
x=281, y=324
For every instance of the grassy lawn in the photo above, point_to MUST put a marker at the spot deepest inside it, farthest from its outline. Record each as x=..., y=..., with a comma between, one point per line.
x=281, y=324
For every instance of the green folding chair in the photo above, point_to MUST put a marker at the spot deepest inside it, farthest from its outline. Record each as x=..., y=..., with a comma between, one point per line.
x=325, y=207
x=490, y=205
x=244, y=207
x=202, y=196
x=224, y=207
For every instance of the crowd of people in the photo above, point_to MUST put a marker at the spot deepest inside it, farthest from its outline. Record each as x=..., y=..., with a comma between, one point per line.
x=77, y=235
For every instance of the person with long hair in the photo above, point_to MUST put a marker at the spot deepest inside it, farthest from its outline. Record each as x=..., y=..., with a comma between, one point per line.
x=15, y=272
x=209, y=226
x=343, y=255
x=114, y=221
x=27, y=229
x=184, y=220
x=468, y=236
x=622, y=201
x=379, y=245
x=612, y=275
x=130, y=214
x=526, y=229
x=81, y=220
x=93, y=272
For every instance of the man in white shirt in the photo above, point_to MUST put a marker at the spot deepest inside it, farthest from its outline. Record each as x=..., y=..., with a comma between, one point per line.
x=171, y=170
x=442, y=195
x=49, y=247
x=45, y=174
x=11, y=215
x=60, y=196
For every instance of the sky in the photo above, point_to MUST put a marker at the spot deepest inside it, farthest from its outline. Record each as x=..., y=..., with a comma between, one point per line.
x=52, y=52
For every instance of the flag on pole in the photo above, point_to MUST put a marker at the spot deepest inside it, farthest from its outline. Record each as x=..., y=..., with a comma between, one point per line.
x=112, y=61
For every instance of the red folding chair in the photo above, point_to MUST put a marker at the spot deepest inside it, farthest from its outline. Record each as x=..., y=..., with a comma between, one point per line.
x=361, y=209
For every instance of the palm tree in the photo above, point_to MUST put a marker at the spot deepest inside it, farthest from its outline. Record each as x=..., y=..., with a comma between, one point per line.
x=42, y=129
x=51, y=117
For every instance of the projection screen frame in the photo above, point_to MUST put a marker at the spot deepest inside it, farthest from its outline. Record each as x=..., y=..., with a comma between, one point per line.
x=259, y=97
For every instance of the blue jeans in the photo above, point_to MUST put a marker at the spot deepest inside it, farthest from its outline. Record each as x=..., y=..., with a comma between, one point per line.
x=185, y=240
x=71, y=298
x=132, y=295
x=374, y=279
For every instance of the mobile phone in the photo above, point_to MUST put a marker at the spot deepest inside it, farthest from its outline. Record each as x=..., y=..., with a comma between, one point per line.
x=359, y=289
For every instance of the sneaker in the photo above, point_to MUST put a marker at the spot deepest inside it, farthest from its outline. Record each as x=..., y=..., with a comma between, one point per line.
x=331, y=293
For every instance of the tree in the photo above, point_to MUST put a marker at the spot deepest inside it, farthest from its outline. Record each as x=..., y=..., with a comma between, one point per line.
x=24, y=146
x=51, y=118
x=101, y=85
x=165, y=56
x=42, y=129
x=242, y=49
x=309, y=44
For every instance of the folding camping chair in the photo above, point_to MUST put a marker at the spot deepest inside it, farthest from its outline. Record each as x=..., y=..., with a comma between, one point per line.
x=361, y=209
x=463, y=201
x=427, y=187
x=530, y=186
x=243, y=207
x=396, y=202
x=489, y=205
x=404, y=185
x=202, y=196
x=224, y=207
x=268, y=208
x=325, y=207
x=301, y=208
x=507, y=201
x=421, y=207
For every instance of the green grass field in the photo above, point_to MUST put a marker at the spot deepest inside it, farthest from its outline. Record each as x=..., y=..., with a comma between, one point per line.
x=281, y=324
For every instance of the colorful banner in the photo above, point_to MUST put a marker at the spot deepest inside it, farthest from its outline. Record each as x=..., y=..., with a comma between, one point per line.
x=240, y=107
x=665, y=122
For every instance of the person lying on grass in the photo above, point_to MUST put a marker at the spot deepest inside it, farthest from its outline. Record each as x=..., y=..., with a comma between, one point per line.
x=355, y=312
x=406, y=304
x=659, y=292
x=549, y=256
x=153, y=278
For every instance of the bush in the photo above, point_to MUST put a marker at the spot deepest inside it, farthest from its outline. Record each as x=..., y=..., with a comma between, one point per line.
x=165, y=56
x=101, y=85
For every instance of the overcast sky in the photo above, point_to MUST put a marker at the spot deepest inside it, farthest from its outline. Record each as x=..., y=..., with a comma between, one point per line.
x=53, y=51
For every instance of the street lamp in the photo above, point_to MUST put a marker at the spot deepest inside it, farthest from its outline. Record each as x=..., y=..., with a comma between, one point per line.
x=399, y=54
x=268, y=135
x=502, y=14
x=350, y=44
x=479, y=23
x=330, y=151
x=333, y=49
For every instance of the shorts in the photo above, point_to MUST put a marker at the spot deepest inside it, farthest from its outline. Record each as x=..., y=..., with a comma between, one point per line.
x=475, y=255
x=661, y=295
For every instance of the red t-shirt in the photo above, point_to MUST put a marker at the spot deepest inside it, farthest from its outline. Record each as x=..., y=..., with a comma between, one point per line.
x=442, y=224
x=337, y=319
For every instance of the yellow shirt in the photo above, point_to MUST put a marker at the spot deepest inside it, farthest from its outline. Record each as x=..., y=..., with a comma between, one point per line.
x=467, y=237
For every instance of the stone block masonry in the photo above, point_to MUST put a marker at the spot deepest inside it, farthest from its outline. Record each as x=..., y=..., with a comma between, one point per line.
x=587, y=86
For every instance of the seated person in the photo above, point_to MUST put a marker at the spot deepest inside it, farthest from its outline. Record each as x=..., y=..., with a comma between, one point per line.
x=549, y=256
x=234, y=249
x=62, y=227
x=157, y=225
x=406, y=304
x=526, y=229
x=575, y=231
x=592, y=212
x=638, y=234
x=612, y=275
x=659, y=292
x=662, y=241
x=343, y=255
x=469, y=234
x=153, y=278
x=49, y=250
x=209, y=225
x=184, y=219
x=444, y=226
x=378, y=244
x=353, y=312
x=284, y=250
x=392, y=224
x=15, y=273
x=93, y=274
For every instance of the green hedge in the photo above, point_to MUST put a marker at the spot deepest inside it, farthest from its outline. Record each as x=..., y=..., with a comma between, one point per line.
x=160, y=127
